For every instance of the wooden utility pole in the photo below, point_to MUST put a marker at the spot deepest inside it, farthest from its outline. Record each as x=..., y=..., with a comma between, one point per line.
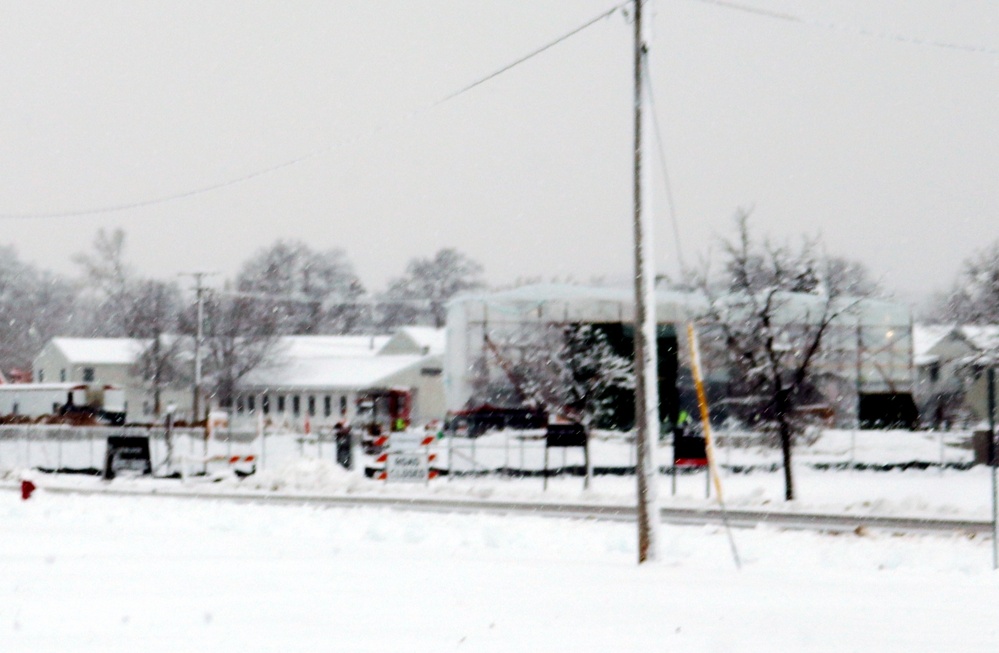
x=199, y=289
x=991, y=453
x=646, y=373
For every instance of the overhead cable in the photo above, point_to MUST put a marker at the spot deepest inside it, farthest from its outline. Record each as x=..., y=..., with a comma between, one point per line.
x=201, y=190
x=850, y=29
x=670, y=205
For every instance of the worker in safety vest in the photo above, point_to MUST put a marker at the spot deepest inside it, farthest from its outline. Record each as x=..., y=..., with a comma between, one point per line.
x=683, y=423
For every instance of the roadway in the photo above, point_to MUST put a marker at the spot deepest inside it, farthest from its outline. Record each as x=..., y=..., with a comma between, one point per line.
x=739, y=518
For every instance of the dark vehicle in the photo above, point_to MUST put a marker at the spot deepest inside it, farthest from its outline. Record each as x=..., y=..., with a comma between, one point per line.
x=473, y=422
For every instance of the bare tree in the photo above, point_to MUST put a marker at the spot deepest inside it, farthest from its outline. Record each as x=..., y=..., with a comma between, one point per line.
x=107, y=278
x=35, y=306
x=238, y=337
x=974, y=297
x=770, y=313
x=155, y=314
x=435, y=280
x=308, y=292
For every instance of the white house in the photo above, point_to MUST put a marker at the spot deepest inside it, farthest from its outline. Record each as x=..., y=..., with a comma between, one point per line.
x=319, y=378
x=108, y=361
x=950, y=384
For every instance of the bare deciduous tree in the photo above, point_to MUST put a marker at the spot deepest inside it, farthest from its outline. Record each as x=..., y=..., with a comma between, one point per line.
x=433, y=281
x=156, y=308
x=769, y=314
x=974, y=298
x=238, y=338
x=107, y=279
x=34, y=307
x=309, y=292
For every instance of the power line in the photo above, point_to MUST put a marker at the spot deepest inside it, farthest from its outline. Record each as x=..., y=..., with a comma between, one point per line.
x=201, y=190
x=533, y=54
x=850, y=29
x=670, y=205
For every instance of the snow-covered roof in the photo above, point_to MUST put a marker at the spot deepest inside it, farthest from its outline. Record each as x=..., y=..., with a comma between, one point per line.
x=572, y=303
x=927, y=336
x=101, y=351
x=330, y=372
x=428, y=340
x=982, y=338
x=40, y=387
x=568, y=302
x=298, y=347
x=328, y=363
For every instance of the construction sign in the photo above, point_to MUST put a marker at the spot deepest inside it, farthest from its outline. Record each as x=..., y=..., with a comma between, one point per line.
x=407, y=457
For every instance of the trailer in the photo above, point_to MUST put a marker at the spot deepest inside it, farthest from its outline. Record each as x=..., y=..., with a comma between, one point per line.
x=103, y=403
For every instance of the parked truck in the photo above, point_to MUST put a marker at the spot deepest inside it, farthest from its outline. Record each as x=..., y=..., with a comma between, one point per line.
x=99, y=402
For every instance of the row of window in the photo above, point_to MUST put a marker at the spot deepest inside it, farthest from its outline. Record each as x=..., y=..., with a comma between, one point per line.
x=290, y=403
x=88, y=375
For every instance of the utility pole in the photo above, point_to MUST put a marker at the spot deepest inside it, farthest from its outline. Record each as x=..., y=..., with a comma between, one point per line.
x=646, y=373
x=991, y=453
x=199, y=334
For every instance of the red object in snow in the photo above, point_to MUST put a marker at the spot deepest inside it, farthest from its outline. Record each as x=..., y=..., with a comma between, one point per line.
x=27, y=487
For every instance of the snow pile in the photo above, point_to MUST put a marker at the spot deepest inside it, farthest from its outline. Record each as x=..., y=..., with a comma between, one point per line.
x=304, y=475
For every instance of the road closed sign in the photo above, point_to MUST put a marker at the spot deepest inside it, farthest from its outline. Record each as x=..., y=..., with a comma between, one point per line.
x=407, y=467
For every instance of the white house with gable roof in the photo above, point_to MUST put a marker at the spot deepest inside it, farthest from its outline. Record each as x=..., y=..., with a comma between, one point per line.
x=105, y=361
x=315, y=376
x=319, y=378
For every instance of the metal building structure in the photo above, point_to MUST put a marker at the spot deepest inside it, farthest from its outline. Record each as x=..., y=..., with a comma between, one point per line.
x=866, y=368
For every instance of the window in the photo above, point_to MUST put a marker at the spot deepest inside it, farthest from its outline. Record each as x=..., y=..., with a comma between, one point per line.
x=280, y=406
x=62, y=375
x=934, y=372
x=41, y=379
x=343, y=405
x=239, y=404
x=312, y=405
x=265, y=404
x=88, y=374
x=251, y=403
x=296, y=405
x=327, y=406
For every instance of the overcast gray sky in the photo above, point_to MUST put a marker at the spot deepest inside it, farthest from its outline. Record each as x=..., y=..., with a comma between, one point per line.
x=886, y=147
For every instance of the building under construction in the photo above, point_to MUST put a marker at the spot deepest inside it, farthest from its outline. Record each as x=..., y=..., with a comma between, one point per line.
x=495, y=340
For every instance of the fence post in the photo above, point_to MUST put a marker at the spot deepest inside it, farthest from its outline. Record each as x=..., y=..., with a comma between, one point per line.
x=523, y=466
x=263, y=447
x=941, y=453
x=506, y=452
x=474, y=459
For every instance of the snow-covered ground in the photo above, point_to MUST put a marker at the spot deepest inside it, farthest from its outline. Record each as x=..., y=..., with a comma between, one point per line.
x=99, y=573
x=93, y=573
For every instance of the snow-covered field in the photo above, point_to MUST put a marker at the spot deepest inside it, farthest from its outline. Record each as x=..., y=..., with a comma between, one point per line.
x=137, y=573
x=92, y=573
